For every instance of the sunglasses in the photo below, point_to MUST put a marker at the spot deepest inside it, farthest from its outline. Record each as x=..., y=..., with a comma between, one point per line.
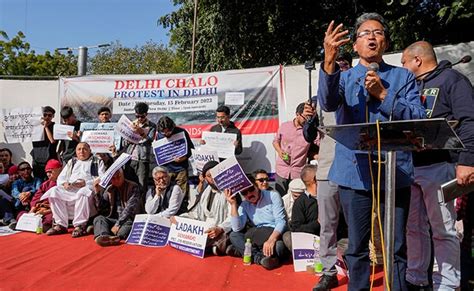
x=23, y=169
x=47, y=115
x=262, y=180
x=140, y=115
x=247, y=191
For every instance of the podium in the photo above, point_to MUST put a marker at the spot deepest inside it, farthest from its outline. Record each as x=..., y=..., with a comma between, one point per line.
x=402, y=135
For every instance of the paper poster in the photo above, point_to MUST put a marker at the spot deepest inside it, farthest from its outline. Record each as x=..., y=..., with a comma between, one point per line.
x=124, y=129
x=29, y=222
x=188, y=236
x=200, y=157
x=22, y=124
x=119, y=163
x=222, y=143
x=60, y=131
x=99, y=140
x=86, y=126
x=149, y=230
x=229, y=175
x=234, y=98
x=305, y=250
x=168, y=149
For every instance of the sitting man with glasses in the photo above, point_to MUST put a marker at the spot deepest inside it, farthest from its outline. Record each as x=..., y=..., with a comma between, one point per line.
x=261, y=179
x=165, y=198
x=178, y=168
x=263, y=211
x=44, y=150
x=141, y=152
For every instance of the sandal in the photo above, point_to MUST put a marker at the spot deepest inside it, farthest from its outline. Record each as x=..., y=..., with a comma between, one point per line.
x=56, y=229
x=79, y=231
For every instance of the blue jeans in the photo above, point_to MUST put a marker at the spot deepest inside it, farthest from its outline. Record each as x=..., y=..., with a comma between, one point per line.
x=357, y=206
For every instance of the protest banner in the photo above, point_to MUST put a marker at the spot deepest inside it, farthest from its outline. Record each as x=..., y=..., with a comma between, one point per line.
x=168, y=149
x=200, y=157
x=22, y=124
x=99, y=140
x=149, y=230
x=119, y=163
x=229, y=175
x=221, y=142
x=86, y=126
x=191, y=100
x=60, y=131
x=124, y=129
x=188, y=235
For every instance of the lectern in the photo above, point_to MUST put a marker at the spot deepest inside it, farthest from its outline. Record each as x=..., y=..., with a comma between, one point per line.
x=403, y=135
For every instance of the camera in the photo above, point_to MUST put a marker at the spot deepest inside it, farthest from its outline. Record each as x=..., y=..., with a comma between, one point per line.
x=309, y=65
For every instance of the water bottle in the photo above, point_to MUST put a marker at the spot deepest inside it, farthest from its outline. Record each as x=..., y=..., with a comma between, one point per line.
x=318, y=266
x=248, y=252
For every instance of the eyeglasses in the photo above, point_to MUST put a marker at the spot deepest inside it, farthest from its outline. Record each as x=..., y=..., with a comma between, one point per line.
x=367, y=33
x=24, y=169
x=140, y=115
x=47, y=115
x=262, y=180
x=248, y=191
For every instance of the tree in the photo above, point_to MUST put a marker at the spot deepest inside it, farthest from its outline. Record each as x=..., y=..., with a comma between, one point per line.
x=235, y=34
x=16, y=59
x=147, y=59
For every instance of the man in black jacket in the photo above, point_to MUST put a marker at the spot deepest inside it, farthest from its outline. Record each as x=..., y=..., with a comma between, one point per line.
x=225, y=125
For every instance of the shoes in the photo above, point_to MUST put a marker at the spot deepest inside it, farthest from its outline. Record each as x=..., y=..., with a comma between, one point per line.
x=107, y=240
x=216, y=251
x=90, y=229
x=12, y=224
x=269, y=263
x=232, y=251
x=326, y=282
x=79, y=231
x=56, y=229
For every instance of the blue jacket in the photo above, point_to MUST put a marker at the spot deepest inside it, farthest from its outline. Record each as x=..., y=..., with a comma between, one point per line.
x=344, y=92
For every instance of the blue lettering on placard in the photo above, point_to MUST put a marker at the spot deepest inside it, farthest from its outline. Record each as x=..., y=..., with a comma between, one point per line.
x=194, y=229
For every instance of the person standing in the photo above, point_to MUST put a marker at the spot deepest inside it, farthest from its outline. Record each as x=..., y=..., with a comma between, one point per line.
x=446, y=93
x=67, y=148
x=44, y=150
x=360, y=95
x=226, y=126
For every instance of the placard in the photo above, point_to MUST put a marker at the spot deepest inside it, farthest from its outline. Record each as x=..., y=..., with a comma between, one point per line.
x=119, y=162
x=22, y=124
x=99, y=140
x=60, y=131
x=188, y=236
x=86, y=126
x=200, y=157
x=222, y=143
x=168, y=149
x=29, y=222
x=305, y=250
x=234, y=98
x=124, y=129
x=149, y=230
x=229, y=175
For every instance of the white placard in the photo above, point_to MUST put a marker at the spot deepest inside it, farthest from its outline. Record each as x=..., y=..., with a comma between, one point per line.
x=60, y=131
x=99, y=140
x=305, y=249
x=200, y=157
x=22, y=124
x=29, y=222
x=222, y=143
x=119, y=162
x=124, y=128
x=234, y=98
x=149, y=230
x=188, y=235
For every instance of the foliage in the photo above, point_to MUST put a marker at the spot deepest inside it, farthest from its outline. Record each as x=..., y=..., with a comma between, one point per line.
x=235, y=34
x=17, y=59
x=147, y=59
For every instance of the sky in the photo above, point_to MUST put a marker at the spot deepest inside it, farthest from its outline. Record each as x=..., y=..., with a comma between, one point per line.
x=51, y=24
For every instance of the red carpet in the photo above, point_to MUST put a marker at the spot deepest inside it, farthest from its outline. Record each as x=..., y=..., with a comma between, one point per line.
x=39, y=262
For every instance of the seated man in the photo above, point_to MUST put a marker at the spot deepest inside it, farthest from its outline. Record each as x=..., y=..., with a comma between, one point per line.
x=122, y=200
x=165, y=199
x=295, y=189
x=264, y=210
x=261, y=178
x=38, y=206
x=213, y=209
x=304, y=215
x=73, y=198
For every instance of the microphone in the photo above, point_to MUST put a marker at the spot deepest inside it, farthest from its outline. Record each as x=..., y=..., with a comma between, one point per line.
x=374, y=67
x=463, y=60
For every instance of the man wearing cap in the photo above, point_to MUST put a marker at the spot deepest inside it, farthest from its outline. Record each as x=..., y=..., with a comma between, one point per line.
x=37, y=206
x=212, y=208
x=304, y=215
x=295, y=189
x=121, y=200
x=72, y=197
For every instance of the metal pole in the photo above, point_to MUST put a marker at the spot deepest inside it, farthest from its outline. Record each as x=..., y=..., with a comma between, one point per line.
x=389, y=221
x=82, y=61
x=194, y=35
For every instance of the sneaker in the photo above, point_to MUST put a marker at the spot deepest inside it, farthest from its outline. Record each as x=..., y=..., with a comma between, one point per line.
x=232, y=251
x=270, y=263
x=326, y=282
x=107, y=240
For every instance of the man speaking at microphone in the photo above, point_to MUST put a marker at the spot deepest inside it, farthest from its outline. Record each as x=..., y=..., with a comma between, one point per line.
x=360, y=95
x=446, y=93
